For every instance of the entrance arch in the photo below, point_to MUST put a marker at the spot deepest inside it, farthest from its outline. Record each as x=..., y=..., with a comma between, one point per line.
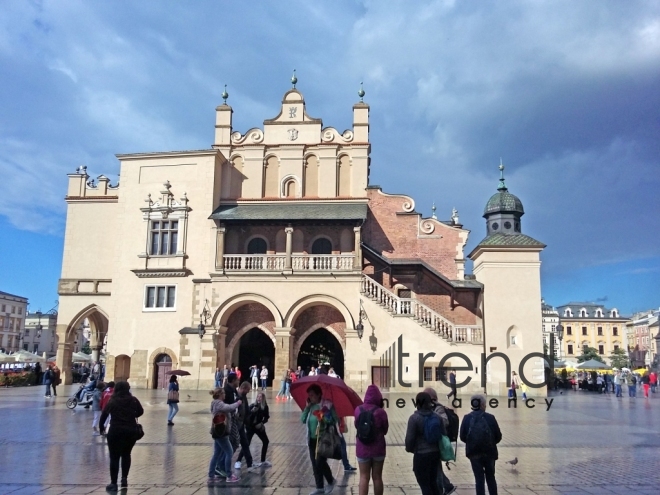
x=321, y=346
x=162, y=365
x=255, y=346
x=161, y=357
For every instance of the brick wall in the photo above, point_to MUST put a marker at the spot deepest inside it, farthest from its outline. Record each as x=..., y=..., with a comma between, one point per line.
x=327, y=315
x=249, y=313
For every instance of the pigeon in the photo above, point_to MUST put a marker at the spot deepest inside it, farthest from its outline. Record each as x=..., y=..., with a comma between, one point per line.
x=189, y=396
x=513, y=462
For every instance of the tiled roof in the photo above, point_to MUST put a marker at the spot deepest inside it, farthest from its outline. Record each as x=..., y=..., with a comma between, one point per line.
x=590, y=308
x=500, y=239
x=291, y=211
x=504, y=202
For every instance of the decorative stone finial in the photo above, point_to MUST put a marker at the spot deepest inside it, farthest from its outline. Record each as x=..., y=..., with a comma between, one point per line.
x=433, y=215
x=454, y=216
x=502, y=186
x=361, y=93
x=225, y=95
x=294, y=79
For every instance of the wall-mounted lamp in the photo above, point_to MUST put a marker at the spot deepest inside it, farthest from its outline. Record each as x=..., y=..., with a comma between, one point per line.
x=204, y=319
x=373, y=341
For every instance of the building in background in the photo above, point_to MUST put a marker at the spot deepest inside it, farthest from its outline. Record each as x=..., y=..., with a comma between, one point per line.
x=12, y=321
x=550, y=324
x=40, y=333
x=642, y=338
x=590, y=324
x=272, y=248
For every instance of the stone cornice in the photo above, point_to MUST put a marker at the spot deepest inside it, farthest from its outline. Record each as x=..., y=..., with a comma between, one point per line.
x=162, y=273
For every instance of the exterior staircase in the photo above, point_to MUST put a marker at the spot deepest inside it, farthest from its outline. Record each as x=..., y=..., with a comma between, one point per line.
x=420, y=313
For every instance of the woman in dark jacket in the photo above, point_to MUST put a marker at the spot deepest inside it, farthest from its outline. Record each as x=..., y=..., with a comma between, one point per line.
x=426, y=456
x=371, y=456
x=124, y=409
x=258, y=416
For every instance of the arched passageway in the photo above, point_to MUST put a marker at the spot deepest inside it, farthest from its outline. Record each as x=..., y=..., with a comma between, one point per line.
x=162, y=364
x=255, y=348
x=321, y=347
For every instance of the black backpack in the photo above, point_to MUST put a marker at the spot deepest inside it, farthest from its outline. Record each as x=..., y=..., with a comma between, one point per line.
x=480, y=436
x=366, y=426
x=452, y=427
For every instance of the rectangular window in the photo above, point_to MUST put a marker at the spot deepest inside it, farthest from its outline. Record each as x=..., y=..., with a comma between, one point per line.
x=27, y=332
x=600, y=330
x=160, y=297
x=25, y=346
x=570, y=348
x=584, y=330
x=569, y=331
x=615, y=331
x=164, y=237
x=601, y=350
x=428, y=373
x=4, y=308
x=440, y=374
x=616, y=347
x=36, y=348
x=20, y=311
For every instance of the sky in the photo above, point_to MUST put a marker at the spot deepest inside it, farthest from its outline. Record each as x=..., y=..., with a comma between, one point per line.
x=566, y=93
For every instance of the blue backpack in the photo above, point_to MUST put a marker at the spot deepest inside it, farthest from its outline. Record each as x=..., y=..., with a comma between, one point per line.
x=432, y=429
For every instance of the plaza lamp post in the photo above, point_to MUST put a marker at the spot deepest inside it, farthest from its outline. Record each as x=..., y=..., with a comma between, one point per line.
x=201, y=331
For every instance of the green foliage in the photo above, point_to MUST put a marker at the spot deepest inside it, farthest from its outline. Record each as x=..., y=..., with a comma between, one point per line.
x=589, y=353
x=17, y=379
x=619, y=358
x=86, y=349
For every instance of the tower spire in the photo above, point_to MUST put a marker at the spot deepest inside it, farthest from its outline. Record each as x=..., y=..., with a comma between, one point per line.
x=225, y=95
x=502, y=186
x=294, y=79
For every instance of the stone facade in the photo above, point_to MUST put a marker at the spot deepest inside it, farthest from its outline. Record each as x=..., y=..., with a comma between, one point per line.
x=13, y=311
x=268, y=248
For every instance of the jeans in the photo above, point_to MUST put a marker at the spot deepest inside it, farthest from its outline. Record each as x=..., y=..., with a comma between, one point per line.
x=632, y=391
x=618, y=390
x=319, y=465
x=425, y=467
x=217, y=383
x=344, y=454
x=444, y=485
x=47, y=390
x=484, y=470
x=95, y=420
x=653, y=387
x=174, y=408
x=282, y=389
x=222, y=453
x=287, y=388
x=264, y=443
x=120, y=445
x=263, y=384
x=245, y=446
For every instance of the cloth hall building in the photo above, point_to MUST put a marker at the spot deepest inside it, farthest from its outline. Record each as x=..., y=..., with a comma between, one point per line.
x=272, y=248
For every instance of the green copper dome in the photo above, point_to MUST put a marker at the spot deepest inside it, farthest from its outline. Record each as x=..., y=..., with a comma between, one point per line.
x=503, y=202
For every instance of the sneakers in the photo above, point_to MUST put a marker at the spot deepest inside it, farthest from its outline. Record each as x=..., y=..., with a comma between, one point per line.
x=212, y=481
x=253, y=469
x=220, y=472
x=233, y=479
x=266, y=464
x=330, y=487
x=350, y=469
x=237, y=465
x=96, y=434
x=169, y=423
x=112, y=487
x=318, y=491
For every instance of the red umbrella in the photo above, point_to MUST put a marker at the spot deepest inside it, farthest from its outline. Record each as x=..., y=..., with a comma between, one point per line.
x=343, y=397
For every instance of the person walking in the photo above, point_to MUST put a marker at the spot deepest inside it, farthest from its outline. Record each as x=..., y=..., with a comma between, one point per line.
x=225, y=374
x=241, y=418
x=632, y=385
x=105, y=397
x=258, y=416
x=445, y=486
x=289, y=380
x=254, y=375
x=48, y=380
x=425, y=449
x=481, y=434
x=56, y=380
x=606, y=380
x=618, y=381
x=222, y=449
x=172, y=399
x=96, y=407
x=264, y=377
x=646, y=384
x=653, y=377
x=343, y=428
x=370, y=445
x=515, y=384
x=37, y=373
x=452, y=384
x=124, y=409
x=218, y=378
x=316, y=427
x=282, y=392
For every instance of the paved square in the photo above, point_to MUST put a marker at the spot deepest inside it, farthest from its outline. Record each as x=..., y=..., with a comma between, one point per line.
x=585, y=444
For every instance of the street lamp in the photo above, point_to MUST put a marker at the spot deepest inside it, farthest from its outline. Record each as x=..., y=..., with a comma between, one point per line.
x=39, y=326
x=559, y=330
x=373, y=341
x=203, y=320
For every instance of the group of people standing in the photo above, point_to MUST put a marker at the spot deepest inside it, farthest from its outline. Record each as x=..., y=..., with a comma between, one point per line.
x=648, y=381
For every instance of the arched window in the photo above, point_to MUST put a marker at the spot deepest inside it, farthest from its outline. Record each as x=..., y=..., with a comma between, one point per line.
x=290, y=189
x=257, y=245
x=311, y=177
x=344, y=176
x=568, y=312
x=583, y=313
x=322, y=246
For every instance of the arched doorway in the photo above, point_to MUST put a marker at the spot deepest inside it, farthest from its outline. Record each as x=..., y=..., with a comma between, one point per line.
x=255, y=348
x=162, y=364
x=122, y=368
x=321, y=347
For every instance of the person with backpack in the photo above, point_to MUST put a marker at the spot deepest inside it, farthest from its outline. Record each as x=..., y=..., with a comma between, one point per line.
x=632, y=385
x=423, y=435
x=220, y=430
x=481, y=434
x=371, y=425
x=451, y=422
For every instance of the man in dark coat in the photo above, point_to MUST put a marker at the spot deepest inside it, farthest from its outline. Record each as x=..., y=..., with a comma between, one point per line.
x=481, y=434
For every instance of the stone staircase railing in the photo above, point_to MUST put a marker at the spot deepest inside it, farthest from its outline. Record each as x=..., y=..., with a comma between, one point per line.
x=422, y=314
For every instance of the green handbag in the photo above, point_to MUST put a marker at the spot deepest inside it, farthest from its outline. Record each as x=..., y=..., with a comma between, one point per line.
x=446, y=450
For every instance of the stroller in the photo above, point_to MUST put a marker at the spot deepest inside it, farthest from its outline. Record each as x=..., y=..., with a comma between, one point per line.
x=83, y=396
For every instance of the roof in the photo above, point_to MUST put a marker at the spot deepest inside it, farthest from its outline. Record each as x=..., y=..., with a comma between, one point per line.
x=12, y=295
x=504, y=202
x=291, y=211
x=590, y=308
x=501, y=239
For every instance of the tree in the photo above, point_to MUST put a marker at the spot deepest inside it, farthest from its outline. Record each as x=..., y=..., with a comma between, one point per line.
x=619, y=358
x=86, y=348
x=589, y=353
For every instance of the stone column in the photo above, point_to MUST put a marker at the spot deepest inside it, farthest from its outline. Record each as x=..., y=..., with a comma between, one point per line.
x=221, y=347
x=282, y=354
x=64, y=355
x=96, y=353
x=220, y=248
x=289, y=247
x=357, y=262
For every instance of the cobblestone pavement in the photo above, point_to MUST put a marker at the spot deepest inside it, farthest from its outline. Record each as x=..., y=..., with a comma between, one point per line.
x=585, y=444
